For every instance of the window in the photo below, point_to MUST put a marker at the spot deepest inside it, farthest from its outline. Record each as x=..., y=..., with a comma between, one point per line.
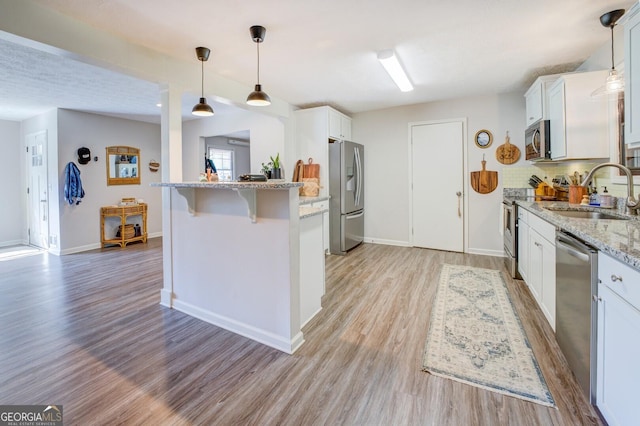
x=628, y=157
x=223, y=160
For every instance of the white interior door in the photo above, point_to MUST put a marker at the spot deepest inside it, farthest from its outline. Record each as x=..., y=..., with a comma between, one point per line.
x=437, y=177
x=38, y=194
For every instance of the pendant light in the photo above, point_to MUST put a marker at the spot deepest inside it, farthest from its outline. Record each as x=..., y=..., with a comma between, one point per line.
x=202, y=109
x=258, y=97
x=614, y=83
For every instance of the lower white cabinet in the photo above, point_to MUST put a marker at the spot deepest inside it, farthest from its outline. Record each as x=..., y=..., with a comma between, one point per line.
x=523, y=244
x=537, y=262
x=542, y=274
x=618, y=363
x=311, y=267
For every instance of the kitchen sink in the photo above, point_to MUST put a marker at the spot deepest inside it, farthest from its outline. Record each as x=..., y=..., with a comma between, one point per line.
x=587, y=214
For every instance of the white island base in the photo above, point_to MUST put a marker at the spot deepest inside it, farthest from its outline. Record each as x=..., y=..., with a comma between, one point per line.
x=232, y=258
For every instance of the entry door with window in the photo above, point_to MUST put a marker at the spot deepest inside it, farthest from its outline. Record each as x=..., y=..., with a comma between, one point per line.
x=38, y=194
x=437, y=182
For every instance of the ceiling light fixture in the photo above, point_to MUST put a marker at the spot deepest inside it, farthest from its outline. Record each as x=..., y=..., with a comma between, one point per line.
x=615, y=82
x=390, y=63
x=258, y=97
x=202, y=109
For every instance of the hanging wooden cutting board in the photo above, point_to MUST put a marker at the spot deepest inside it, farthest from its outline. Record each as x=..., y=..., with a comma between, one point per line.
x=507, y=153
x=311, y=170
x=484, y=181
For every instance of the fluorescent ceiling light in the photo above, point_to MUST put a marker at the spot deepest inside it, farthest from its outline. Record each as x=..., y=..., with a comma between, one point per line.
x=390, y=63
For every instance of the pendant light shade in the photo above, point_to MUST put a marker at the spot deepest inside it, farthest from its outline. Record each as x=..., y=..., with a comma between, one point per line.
x=202, y=108
x=614, y=83
x=258, y=97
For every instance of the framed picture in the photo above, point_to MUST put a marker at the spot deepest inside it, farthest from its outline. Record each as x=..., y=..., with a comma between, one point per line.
x=483, y=138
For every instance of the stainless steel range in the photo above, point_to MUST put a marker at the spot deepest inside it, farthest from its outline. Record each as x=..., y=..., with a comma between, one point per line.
x=510, y=235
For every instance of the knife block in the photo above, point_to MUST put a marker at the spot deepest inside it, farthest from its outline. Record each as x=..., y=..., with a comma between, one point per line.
x=544, y=192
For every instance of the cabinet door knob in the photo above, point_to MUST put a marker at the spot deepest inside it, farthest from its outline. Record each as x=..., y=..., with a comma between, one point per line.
x=615, y=278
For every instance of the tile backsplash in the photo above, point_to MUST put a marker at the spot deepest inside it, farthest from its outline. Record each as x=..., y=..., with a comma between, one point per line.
x=518, y=176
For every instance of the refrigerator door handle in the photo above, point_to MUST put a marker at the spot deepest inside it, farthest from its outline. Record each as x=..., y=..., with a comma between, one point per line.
x=359, y=176
x=354, y=216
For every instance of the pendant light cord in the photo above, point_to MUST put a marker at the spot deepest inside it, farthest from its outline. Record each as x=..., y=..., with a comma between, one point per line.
x=258, y=49
x=613, y=67
x=202, y=78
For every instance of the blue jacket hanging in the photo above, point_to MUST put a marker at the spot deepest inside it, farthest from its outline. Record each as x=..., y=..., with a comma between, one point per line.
x=73, y=191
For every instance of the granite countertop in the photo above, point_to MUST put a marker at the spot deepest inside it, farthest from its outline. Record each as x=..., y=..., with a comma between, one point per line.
x=231, y=185
x=310, y=200
x=618, y=238
x=306, y=211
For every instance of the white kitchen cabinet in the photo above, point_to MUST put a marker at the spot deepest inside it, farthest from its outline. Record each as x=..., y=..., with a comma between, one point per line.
x=339, y=125
x=538, y=260
x=523, y=244
x=311, y=267
x=324, y=205
x=618, y=372
x=536, y=101
x=313, y=131
x=579, y=124
x=632, y=77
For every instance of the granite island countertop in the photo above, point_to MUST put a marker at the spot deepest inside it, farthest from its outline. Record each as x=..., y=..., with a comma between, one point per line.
x=230, y=185
x=618, y=238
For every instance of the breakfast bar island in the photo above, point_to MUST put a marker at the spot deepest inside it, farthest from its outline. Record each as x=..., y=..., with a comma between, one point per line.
x=232, y=257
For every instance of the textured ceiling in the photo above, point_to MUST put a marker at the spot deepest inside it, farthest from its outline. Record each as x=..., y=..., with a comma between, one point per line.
x=315, y=52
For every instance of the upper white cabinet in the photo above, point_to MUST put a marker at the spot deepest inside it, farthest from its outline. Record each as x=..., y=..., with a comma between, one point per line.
x=632, y=78
x=618, y=374
x=536, y=101
x=339, y=125
x=579, y=124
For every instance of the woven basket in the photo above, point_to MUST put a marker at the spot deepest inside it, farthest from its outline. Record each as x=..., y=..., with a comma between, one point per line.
x=129, y=231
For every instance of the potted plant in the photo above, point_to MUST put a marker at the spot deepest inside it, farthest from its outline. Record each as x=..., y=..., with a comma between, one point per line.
x=266, y=170
x=276, y=170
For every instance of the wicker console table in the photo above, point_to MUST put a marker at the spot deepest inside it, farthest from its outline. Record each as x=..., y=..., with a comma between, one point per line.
x=123, y=212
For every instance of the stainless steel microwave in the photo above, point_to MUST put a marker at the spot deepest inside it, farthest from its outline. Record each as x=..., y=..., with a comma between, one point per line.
x=537, y=141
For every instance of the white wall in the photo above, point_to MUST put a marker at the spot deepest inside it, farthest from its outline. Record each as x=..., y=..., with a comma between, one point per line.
x=80, y=224
x=269, y=135
x=385, y=136
x=241, y=158
x=11, y=185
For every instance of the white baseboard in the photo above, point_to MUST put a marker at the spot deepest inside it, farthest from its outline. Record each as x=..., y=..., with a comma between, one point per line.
x=13, y=243
x=485, y=252
x=387, y=242
x=281, y=343
x=154, y=234
x=77, y=249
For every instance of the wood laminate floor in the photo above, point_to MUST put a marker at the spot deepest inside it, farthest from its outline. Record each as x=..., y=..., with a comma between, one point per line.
x=86, y=331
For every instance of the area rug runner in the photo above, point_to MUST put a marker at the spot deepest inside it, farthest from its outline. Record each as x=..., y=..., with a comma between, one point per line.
x=476, y=337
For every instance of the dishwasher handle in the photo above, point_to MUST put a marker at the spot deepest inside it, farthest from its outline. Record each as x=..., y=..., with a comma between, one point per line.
x=571, y=249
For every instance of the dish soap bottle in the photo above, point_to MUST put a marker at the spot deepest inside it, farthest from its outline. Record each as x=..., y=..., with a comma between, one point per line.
x=594, y=199
x=606, y=200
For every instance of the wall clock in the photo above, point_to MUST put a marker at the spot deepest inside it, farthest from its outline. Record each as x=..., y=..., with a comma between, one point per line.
x=483, y=138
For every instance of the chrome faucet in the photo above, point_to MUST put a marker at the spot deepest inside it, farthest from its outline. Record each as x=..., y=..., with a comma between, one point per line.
x=632, y=203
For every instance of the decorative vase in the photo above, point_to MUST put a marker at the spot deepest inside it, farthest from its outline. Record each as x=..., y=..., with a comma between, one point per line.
x=276, y=173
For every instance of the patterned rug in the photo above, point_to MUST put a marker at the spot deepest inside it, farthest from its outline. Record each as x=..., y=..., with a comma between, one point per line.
x=475, y=336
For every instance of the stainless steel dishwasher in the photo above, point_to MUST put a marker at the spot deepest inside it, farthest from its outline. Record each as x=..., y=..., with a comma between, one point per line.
x=576, y=308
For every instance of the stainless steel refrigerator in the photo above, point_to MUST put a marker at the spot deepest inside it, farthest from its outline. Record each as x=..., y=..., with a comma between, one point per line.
x=346, y=188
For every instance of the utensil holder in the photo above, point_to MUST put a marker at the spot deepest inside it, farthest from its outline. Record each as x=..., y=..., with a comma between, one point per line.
x=576, y=192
